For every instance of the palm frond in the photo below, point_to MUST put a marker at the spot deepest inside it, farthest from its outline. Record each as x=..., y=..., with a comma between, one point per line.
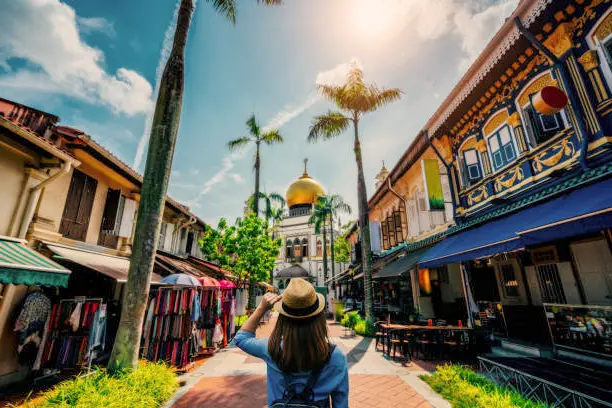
x=277, y=198
x=382, y=97
x=272, y=136
x=335, y=94
x=253, y=127
x=239, y=143
x=227, y=8
x=327, y=126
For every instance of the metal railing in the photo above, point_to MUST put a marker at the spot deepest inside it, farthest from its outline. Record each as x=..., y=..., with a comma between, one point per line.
x=537, y=389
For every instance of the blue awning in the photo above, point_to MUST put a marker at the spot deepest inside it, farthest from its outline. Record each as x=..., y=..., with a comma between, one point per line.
x=582, y=211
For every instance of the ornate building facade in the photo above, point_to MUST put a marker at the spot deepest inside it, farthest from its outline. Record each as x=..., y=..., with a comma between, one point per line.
x=302, y=252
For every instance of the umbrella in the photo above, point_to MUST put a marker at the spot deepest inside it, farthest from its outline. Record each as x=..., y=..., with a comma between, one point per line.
x=209, y=282
x=181, y=279
x=225, y=284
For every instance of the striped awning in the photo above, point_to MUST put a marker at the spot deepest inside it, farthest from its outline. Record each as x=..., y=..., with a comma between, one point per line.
x=21, y=265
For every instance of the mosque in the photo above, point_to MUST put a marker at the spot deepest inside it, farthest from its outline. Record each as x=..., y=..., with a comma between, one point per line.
x=302, y=252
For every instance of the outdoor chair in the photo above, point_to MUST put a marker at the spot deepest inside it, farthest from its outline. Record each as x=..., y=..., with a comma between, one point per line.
x=381, y=334
x=399, y=339
x=427, y=344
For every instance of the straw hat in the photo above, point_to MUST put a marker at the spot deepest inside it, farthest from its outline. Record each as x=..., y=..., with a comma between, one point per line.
x=300, y=301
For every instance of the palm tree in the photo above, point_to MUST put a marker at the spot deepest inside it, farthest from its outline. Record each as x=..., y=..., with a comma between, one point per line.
x=354, y=99
x=256, y=136
x=335, y=204
x=164, y=131
x=269, y=200
x=276, y=215
x=318, y=218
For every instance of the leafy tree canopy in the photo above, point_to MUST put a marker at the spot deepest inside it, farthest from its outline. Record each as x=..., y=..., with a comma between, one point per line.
x=342, y=249
x=244, y=249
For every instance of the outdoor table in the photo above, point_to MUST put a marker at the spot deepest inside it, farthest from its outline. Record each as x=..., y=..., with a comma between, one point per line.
x=410, y=327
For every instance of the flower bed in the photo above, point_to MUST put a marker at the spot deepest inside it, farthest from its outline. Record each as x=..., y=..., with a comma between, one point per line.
x=151, y=385
x=463, y=388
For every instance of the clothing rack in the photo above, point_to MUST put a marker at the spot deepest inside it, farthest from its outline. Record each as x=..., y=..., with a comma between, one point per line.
x=168, y=332
x=60, y=346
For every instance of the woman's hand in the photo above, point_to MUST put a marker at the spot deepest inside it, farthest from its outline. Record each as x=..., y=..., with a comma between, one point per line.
x=269, y=300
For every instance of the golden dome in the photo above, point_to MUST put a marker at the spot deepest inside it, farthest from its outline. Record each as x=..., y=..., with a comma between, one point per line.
x=304, y=190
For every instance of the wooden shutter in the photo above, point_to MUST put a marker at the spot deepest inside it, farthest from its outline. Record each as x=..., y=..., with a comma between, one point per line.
x=399, y=236
x=391, y=230
x=127, y=219
x=79, y=202
x=385, y=235
x=111, y=209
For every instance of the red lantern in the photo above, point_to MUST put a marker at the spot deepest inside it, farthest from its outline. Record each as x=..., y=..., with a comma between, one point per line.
x=550, y=100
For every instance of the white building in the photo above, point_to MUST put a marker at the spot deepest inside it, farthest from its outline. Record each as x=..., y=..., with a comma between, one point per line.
x=302, y=252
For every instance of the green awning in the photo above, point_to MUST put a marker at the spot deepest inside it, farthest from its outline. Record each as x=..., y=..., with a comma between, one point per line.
x=401, y=266
x=21, y=265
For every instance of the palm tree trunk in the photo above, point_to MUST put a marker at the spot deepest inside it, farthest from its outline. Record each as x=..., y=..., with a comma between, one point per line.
x=331, y=245
x=364, y=227
x=324, y=251
x=164, y=132
x=257, y=167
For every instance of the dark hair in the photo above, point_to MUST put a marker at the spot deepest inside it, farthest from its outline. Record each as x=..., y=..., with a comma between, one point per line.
x=305, y=343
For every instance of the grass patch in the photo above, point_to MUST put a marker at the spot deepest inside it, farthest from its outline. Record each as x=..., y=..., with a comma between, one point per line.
x=463, y=388
x=151, y=385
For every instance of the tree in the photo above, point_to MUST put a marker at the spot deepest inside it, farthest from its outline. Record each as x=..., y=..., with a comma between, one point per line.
x=335, y=205
x=257, y=137
x=245, y=249
x=318, y=218
x=354, y=99
x=164, y=131
x=269, y=200
x=342, y=249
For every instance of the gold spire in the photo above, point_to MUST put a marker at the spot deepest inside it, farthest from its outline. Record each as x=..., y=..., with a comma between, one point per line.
x=304, y=190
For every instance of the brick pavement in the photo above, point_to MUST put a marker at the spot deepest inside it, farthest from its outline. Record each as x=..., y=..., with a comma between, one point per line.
x=233, y=379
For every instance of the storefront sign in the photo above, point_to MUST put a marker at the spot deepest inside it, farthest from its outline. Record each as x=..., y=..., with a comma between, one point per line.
x=581, y=327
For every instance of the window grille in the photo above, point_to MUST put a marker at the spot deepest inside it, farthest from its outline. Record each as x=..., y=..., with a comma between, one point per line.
x=509, y=281
x=549, y=281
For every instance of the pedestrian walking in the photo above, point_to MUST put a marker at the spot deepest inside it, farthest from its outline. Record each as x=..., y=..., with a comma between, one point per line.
x=304, y=369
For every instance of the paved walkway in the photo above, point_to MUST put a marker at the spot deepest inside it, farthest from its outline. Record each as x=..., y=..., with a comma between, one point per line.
x=234, y=379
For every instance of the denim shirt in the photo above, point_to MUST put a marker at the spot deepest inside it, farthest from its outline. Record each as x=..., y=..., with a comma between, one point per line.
x=333, y=379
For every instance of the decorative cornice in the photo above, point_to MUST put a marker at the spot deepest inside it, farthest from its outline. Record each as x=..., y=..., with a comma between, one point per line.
x=561, y=40
x=494, y=52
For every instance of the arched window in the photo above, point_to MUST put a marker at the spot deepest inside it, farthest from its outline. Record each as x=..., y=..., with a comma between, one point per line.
x=328, y=250
x=469, y=162
x=319, y=248
x=289, y=249
x=539, y=127
x=297, y=250
x=281, y=284
x=305, y=252
x=500, y=143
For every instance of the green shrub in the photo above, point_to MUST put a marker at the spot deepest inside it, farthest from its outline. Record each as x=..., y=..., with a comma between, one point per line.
x=464, y=388
x=364, y=328
x=339, y=311
x=151, y=385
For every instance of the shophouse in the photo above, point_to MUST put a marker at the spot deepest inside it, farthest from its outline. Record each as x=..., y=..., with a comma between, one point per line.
x=67, y=220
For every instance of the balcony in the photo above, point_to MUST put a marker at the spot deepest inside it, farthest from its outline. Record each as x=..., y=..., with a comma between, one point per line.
x=25, y=117
x=532, y=168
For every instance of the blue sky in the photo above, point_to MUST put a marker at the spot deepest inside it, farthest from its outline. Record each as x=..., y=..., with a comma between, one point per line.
x=95, y=64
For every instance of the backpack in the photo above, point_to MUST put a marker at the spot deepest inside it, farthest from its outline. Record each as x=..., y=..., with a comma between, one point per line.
x=305, y=399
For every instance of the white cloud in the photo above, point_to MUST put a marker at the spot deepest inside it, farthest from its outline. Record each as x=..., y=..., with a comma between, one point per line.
x=46, y=34
x=89, y=25
x=477, y=28
x=336, y=75
x=163, y=58
x=238, y=179
x=194, y=172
